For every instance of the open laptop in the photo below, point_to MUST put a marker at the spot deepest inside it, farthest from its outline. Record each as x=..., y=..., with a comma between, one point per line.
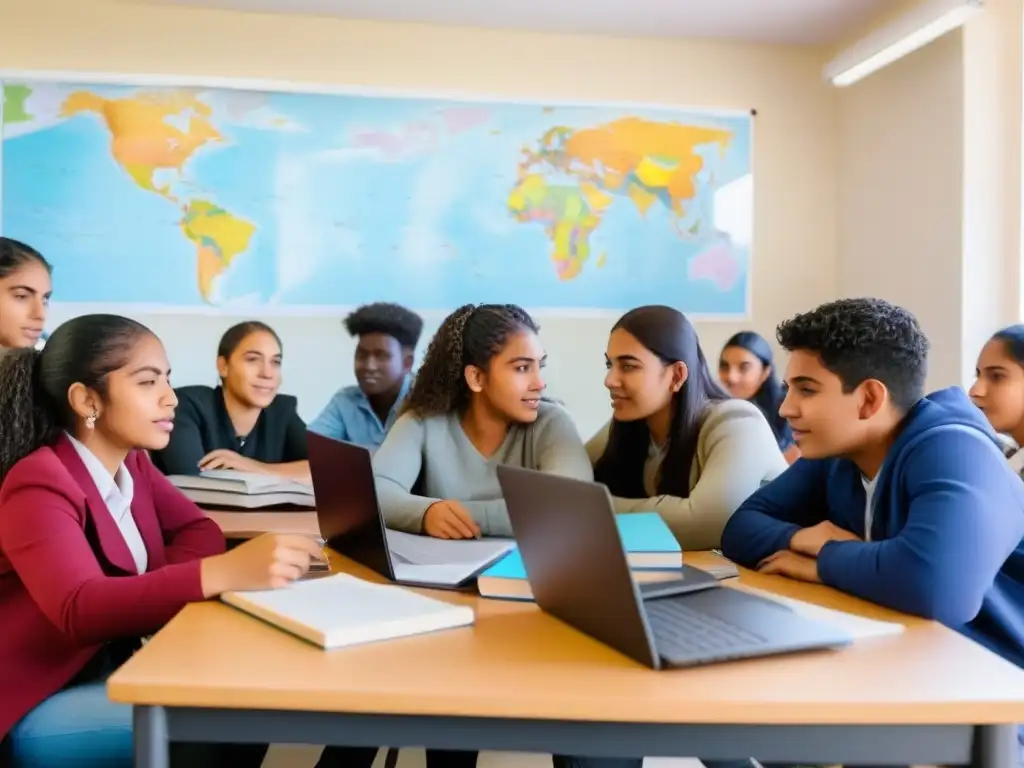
x=578, y=572
x=351, y=524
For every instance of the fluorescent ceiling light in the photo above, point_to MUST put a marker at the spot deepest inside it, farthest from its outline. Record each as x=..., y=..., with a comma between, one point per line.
x=913, y=30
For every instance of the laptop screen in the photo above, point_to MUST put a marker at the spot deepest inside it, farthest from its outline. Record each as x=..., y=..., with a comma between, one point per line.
x=346, y=502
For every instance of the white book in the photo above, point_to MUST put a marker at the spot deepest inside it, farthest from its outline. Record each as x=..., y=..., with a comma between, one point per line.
x=233, y=481
x=244, y=490
x=341, y=610
x=856, y=626
x=443, y=562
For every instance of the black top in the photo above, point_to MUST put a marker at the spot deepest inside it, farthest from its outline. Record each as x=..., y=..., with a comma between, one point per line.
x=202, y=424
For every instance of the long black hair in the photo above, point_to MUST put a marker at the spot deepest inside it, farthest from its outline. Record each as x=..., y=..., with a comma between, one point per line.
x=1013, y=341
x=15, y=254
x=770, y=394
x=471, y=335
x=667, y=333
x=34, y=384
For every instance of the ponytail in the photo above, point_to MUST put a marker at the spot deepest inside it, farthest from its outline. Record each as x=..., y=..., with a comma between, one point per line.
x=28, y=419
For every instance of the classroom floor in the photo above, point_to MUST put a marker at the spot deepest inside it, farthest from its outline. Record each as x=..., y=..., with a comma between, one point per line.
x=305, y=757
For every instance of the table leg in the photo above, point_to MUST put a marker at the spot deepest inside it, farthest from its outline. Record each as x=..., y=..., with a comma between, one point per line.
x=995, y=746
x=152, y=747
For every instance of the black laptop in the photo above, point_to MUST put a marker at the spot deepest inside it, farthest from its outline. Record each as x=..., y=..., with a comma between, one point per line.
x=577, y=569
x=351, y=523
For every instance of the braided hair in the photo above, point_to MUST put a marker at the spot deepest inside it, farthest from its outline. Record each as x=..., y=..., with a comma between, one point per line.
x=471, y=335
x=34, y=384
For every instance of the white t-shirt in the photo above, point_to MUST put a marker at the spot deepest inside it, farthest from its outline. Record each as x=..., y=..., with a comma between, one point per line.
x=869, y=509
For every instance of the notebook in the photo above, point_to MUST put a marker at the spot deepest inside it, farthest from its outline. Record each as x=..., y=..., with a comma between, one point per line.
x=341, y=610
x=442, y=562
x=245, y=490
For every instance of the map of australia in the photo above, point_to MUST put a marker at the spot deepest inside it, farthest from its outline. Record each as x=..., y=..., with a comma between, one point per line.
x=185, y=197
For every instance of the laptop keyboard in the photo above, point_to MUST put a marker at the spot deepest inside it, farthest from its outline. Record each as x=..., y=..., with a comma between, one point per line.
x=680, y=631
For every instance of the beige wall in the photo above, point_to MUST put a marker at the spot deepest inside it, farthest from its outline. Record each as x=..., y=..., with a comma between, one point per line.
x=900, y=181
x=795, y=139
x=930, y=186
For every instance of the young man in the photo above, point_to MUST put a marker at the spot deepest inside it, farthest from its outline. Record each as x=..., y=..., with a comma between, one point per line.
x=901, y=499
x=387, y=336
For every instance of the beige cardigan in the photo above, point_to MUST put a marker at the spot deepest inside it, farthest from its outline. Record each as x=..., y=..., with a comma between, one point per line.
x=736, y=454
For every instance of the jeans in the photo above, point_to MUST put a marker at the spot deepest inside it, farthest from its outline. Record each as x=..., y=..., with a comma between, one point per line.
x=80, y=727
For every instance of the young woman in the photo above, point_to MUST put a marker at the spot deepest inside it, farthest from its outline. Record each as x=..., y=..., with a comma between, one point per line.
x=97, y=548
x=676, y=442
x=999, y=388
x=25, y=290
x=477, y=402
x=748, y=372
x=243, y=424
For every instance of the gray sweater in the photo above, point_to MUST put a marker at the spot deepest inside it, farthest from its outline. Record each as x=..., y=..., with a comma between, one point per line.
x=736, y=454
x=453, y=469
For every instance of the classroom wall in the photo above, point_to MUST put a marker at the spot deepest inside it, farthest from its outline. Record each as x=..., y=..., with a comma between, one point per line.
x=930, y=187
x=900, y=192
x=795, y=240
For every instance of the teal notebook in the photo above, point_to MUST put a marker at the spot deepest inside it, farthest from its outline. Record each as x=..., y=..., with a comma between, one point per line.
x=651, y=549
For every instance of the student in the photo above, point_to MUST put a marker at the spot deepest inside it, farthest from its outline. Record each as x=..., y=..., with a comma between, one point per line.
x=676, y=443
x=25, y=290
x=387, y=337
x=747, y=370
x=244, y=424
x=477, y=402
x=900, y=498
x=97, y=549
x=999, y=389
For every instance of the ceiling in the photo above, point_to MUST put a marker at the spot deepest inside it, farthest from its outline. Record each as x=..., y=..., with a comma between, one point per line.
x=792, y=22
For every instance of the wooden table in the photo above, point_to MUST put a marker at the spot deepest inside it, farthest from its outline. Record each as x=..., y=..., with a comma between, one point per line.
x=520, y=680
x=246, y=525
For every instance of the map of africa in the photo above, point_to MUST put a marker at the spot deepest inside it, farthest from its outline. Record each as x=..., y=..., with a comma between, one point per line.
x=191, y=198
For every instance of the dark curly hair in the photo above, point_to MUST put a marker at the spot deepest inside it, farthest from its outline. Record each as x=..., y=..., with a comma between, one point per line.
x=393, y=320
x=34, y=384
x=667, y=333
x=14, y=254
x=471, y=335
x=859, y=339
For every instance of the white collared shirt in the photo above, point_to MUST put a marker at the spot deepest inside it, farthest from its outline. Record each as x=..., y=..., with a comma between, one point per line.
x=117, y=491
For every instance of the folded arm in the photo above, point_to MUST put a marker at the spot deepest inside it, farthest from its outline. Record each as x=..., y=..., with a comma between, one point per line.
x=964, y=519
x=768, y=519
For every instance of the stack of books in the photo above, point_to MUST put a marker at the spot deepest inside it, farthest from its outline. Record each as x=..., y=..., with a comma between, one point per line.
x=651, y=549
x=244, y=490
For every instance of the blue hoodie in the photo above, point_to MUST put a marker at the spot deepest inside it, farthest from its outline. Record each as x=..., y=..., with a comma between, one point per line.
x=946, y=532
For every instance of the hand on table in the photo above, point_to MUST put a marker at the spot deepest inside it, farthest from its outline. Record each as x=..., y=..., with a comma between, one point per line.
x=449, y=520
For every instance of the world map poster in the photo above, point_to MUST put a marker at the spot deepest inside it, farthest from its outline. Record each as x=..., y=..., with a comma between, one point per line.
x=205, y=199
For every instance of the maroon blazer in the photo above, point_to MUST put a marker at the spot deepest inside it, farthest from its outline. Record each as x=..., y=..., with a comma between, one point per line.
x=68, y=583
